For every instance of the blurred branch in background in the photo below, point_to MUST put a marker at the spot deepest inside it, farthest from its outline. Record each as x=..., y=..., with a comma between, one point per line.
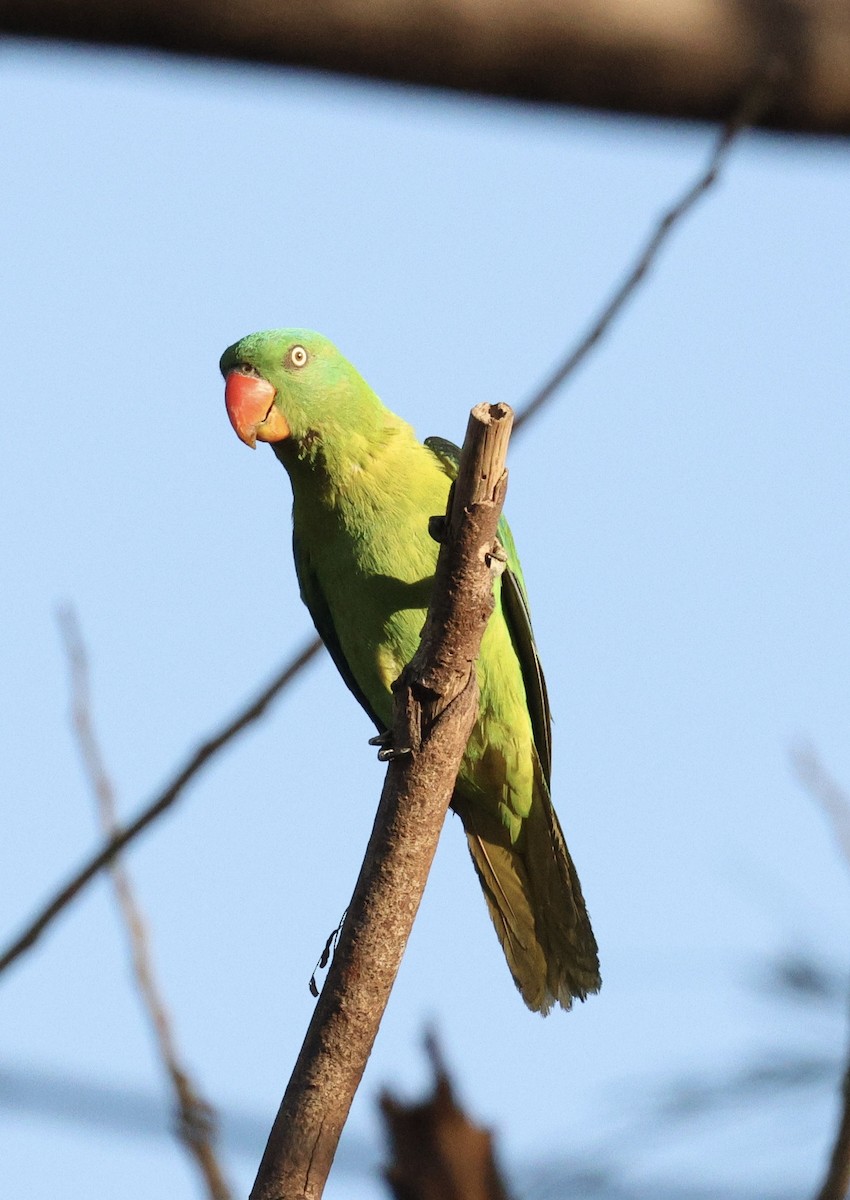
x=828, y=793
x=687, y=60
x=658, y=1111
x=195, y=1118
x=836, y=1185
x=747, y=112
x=835, y=802
x=127, y=833
x=31, y=1093
x=436, y=1151
x=783, y=1072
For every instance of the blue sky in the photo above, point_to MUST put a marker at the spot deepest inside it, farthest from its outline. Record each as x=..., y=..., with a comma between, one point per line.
x=682, y=515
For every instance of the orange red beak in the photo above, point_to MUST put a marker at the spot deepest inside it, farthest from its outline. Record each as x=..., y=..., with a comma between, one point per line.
x=252, y=410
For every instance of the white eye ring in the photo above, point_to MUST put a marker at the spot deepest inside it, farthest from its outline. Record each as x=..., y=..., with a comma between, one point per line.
x=297, y=356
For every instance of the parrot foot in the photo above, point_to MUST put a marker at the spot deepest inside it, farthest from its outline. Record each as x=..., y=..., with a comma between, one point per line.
x=391, y=753
x=387, y=752
x=497, y=559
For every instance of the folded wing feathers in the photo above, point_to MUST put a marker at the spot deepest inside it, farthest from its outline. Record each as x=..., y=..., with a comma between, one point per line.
x=535, y=901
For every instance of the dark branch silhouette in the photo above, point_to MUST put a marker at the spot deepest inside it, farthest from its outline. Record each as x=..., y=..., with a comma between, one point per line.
x=836, y=1184
x=646, y=56
x=436, y=1151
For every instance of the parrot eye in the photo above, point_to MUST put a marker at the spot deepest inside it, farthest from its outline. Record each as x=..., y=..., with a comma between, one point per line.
x=296, y=357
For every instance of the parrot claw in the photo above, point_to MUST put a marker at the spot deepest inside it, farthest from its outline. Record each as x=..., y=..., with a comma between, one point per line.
x=391, y=753
x=387, y=751
x=497, y=559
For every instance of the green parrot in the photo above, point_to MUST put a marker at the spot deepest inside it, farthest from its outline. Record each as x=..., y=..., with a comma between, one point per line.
x=363, y=489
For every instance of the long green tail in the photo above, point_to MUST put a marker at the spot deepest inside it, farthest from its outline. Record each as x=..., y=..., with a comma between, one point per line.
x=534, y=897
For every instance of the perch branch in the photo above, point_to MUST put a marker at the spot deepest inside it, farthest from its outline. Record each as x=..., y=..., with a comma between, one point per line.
x=435, y=705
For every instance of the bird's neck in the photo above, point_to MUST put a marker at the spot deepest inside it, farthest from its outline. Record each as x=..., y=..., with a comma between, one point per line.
x=355, y=472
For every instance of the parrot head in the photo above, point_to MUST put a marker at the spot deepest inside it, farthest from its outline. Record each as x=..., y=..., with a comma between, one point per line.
x=290, y=384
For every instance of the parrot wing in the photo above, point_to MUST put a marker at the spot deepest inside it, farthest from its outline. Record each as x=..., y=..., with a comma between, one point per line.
x=319, y=609
x=518, y=618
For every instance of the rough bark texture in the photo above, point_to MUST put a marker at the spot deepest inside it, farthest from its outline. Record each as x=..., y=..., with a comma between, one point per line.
x=670, y=58
x=435, y=706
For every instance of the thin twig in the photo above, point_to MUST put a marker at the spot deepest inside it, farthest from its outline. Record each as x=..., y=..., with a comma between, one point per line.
x=436, y=701
x=754, y=103
x=164, y=800
x=196, y=1119
x=826, y=790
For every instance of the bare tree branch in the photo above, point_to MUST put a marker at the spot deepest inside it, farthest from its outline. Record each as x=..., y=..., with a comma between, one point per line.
x=196, y=1119
x=157, y=806
x=436, y=701
x=753, y=104
x=667, y=58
